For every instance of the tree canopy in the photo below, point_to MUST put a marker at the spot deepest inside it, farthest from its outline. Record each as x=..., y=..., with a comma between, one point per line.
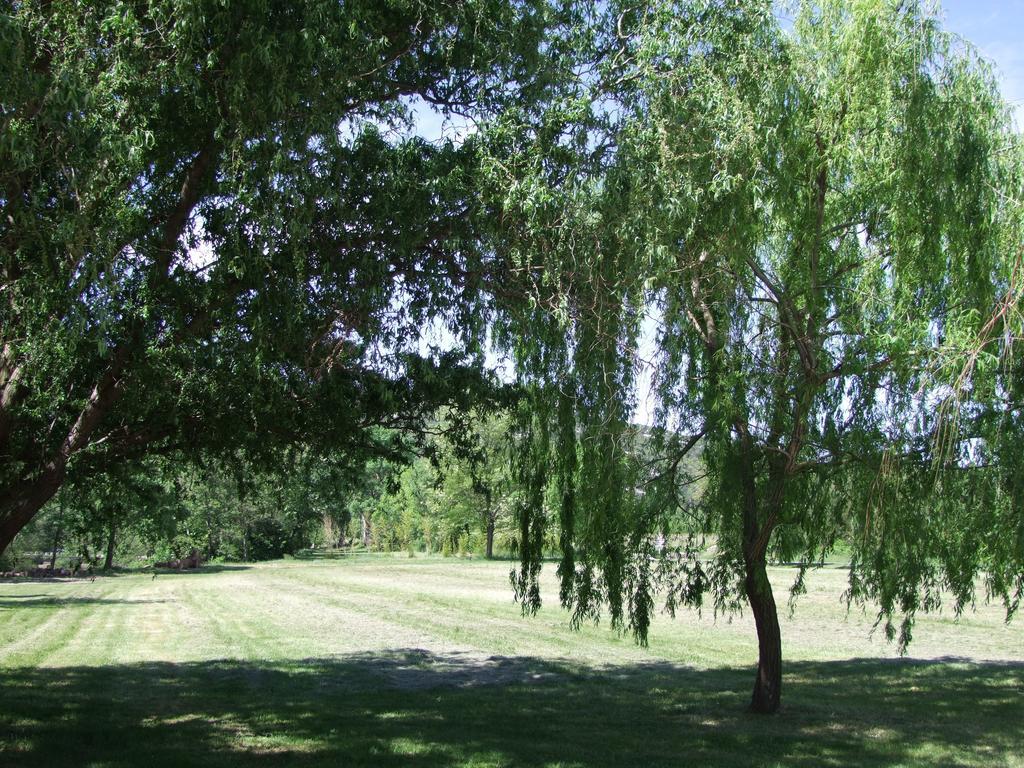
x=216, y=236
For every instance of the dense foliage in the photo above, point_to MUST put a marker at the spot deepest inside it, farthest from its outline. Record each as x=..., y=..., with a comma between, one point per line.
x=216, y=235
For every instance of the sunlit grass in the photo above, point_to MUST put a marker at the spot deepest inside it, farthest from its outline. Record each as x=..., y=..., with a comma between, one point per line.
x=396, y=662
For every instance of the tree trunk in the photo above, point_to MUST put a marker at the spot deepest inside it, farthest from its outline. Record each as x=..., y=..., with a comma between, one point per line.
x=364, y=522
x=56, y=536
x=759, y=519
x=18, y=505
x=489, y=515
x=108, y=563
x=768, y=684
x=9, y=528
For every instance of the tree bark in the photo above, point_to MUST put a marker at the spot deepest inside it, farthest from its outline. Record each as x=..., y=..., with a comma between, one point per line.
x=56, y=536
x=108, y=563
x=489, y=552
x=768, y=683
x=364, y=522
x=21, y=502
x=20, y=505
x=760, y=516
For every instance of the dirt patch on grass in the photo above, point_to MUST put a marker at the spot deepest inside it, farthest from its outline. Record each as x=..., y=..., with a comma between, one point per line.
x=415, y=669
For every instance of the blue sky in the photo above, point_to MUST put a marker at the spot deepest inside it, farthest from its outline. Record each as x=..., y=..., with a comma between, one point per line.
x=996, y=28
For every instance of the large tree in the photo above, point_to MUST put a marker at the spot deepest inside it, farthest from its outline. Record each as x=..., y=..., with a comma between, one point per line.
x=213, y=232
x=813, y=211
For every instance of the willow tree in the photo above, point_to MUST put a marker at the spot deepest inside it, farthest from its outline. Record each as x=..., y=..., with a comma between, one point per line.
x=215, y=230
x=812, y=211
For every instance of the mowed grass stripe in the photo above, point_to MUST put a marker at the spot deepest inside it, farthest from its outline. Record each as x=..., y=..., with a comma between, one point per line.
x=166, y=625
x=351, y=605
x=493, y=621
x=116, y=634
x=23, y=623
x=365, y=619
x=700, y=640
x=237, y=619
x=498, y=626
x=489, y=627
x=64, y=607
x=454, y=622
x=820, y=613
x=260, y=617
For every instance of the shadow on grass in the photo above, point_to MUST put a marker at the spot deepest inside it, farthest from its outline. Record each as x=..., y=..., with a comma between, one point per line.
x=22, y=602
x=47, y=579
x=349, y=553
x=201, y=570
x=118, y=572
x=415, y=708
x=323, y=554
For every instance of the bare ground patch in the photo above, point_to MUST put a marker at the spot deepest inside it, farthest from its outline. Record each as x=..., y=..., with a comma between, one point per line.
x=415, y=669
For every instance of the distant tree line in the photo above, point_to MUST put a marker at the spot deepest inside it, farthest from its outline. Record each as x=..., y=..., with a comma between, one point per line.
x=455, y=496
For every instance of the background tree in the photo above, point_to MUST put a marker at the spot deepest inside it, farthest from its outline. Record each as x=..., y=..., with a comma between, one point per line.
x=458, y=496
x=105, y=518
x=477, y=489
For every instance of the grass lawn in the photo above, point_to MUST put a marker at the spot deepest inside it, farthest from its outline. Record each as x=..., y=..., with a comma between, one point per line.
x=389, y=661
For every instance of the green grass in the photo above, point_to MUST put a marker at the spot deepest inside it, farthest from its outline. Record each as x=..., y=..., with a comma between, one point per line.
x=397, y=662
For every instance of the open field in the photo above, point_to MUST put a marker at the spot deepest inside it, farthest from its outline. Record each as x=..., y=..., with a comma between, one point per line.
x=426, y=662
